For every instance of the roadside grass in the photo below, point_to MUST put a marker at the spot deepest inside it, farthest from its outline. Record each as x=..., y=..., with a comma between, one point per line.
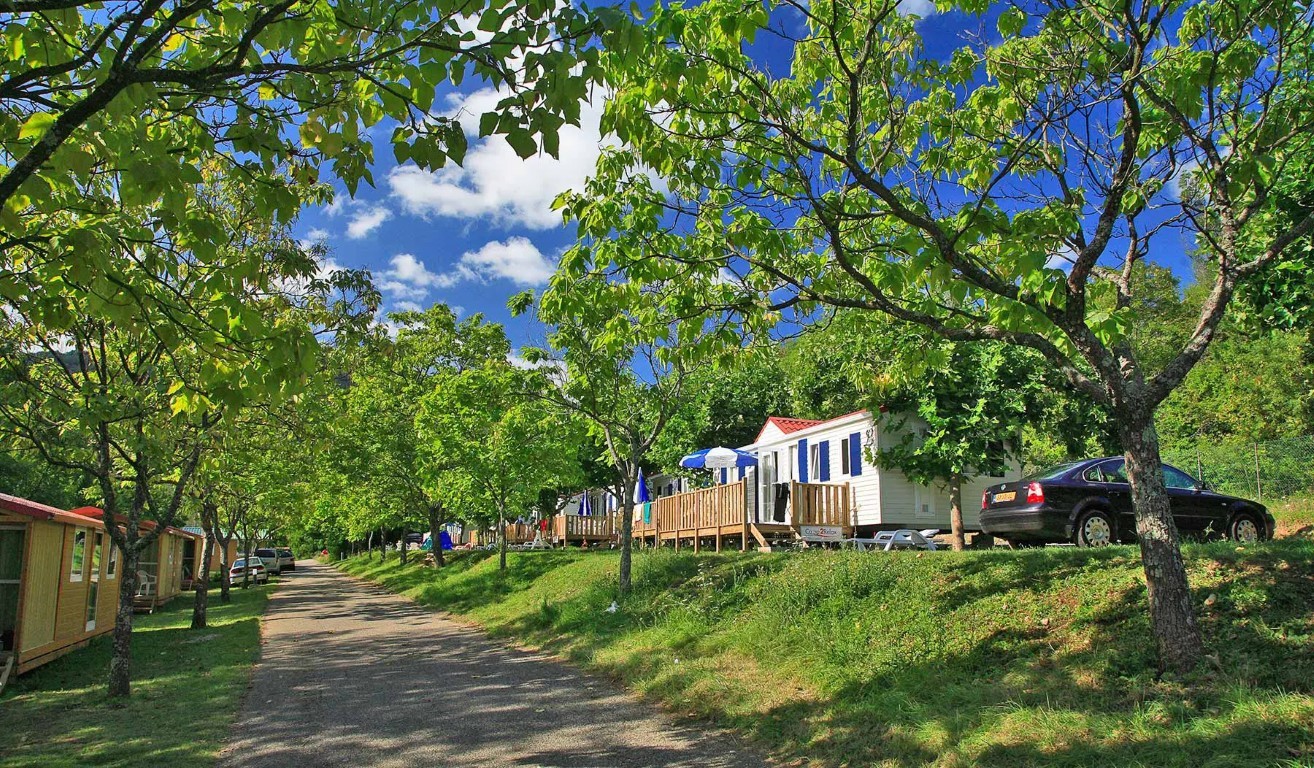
x=1294, y=515
x=187, y=685
x=1041, y=657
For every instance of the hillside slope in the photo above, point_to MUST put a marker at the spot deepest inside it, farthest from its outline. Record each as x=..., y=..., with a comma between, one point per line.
x=1039, y=657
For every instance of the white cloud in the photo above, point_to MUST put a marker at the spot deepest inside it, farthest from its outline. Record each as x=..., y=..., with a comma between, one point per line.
x=1062, y=259
x=365, y=220
x=556, y=369
x=517, y=259
x=922, y=8
x=494, y=182
x=317, y=235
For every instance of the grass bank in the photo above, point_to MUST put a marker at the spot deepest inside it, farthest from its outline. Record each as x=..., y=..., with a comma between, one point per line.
x=1037, y=657
x=187, y=685
x=1294, y=515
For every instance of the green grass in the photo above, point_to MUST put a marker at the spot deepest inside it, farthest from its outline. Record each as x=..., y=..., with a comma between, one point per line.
x=1000, y=658
x=1294, y=515
x=187, y=685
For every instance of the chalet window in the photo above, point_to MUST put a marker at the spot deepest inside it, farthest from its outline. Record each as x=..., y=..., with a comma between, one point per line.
x=855, y=454
x=845, y=469
x=112, y=563
x=96, y=555
x=79, y=555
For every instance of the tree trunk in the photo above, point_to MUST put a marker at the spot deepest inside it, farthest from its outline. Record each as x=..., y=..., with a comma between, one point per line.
x=225, y=568
x=1172, y=616
x=383, y=545
x=246, y=569
x=120, y=671
x=957, y=537
x=404, y=544
x=201, y=581
x=435, y=532
x=369, y=546
x=628, y=482
x=501, y=539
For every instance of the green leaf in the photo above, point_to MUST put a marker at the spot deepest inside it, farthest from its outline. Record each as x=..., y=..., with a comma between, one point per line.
x=36, y=125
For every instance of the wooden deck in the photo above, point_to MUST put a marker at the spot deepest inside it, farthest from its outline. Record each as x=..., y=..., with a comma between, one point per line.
x=708, y=517
x=573, y=529
x=721, y=512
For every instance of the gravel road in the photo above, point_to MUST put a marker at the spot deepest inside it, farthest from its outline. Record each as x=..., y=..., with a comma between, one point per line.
x=352, y=675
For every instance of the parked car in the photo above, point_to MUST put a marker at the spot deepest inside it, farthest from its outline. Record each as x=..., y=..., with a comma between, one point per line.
x=286, y=560
x=256, y=567
x=270, y=558
x=1089, y=504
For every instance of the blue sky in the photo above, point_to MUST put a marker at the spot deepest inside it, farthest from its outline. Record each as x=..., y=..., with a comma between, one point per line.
x=469, y=236
x=473, y=235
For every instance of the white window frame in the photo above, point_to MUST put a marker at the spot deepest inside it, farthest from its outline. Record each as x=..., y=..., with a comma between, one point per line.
x=75, y=575
x=111, y=559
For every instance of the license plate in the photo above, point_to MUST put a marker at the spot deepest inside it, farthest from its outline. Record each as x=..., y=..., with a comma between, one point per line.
x=1006, y=496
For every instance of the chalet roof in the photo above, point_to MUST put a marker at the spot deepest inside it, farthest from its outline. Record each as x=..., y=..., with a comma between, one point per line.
x=789, y=425
x=95, y=513
x=39, y=511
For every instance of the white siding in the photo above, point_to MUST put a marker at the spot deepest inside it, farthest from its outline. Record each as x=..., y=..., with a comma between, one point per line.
x=882, y=497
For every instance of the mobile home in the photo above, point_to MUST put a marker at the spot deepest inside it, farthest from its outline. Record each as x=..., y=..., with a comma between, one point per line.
x=59, y=578
x=836, y=452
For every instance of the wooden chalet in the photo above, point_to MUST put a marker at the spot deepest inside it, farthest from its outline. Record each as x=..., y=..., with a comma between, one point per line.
x=59, y=579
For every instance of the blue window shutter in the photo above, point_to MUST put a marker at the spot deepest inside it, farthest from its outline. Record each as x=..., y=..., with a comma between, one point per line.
x=855, y=454
x=722, y=475
x=741, y=473
x=803, y=460
x=823, y=471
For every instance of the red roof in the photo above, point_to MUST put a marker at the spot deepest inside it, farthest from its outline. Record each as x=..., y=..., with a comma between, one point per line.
x=96, y=513
x=38, y=511
x=93, y=516
x=789, y=425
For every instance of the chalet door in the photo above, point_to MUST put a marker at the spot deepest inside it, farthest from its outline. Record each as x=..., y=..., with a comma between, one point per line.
x=93, y=582
x=11, y=579
x=766, y=487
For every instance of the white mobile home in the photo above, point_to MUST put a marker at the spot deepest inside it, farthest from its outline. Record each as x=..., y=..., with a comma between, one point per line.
x=835, y=452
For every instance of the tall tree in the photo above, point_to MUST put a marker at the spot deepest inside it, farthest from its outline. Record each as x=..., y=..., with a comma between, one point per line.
x=129, y=401
x=626, y=358
x=108, y=107
x=977, y=194
x=495, y=441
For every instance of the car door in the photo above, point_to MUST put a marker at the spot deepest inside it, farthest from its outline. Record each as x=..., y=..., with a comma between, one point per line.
x=1110, y=478
x=1192, y=509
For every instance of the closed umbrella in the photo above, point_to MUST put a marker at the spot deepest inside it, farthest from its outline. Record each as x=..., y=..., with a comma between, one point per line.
x=641, y=490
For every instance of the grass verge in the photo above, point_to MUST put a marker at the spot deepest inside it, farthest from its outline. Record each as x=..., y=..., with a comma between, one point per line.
x=1000, y=658
x=1294, y=515
x=187, y=685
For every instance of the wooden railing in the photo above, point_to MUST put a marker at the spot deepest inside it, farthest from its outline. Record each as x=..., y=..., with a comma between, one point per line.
x=821, y=504
x=576, y=527
x=715, y=507
x=520, y=533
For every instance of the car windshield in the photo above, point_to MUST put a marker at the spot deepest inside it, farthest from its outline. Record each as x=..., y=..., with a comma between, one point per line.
x=239, y=564
x=265, y=552
x=1050, y=473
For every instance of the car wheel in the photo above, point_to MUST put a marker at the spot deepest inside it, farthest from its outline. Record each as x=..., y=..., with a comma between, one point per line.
x=1246, y=529
x=1095, y=529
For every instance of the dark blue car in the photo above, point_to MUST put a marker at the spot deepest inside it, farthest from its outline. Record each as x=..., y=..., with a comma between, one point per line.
x=1089, y=504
